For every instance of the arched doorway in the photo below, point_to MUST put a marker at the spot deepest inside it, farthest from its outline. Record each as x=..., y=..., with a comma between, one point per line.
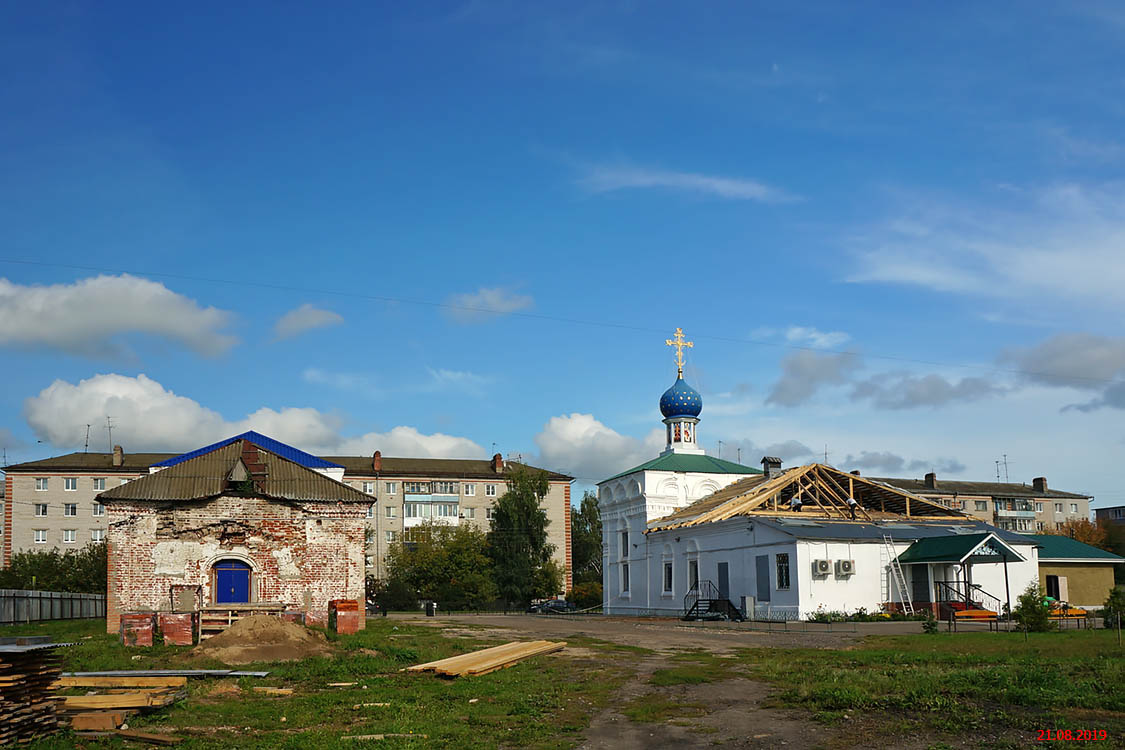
x=231, y=582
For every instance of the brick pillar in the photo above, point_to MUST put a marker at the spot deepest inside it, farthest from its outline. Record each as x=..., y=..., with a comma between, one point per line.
x=112, y=612
x=9, y=500
x=569, y=582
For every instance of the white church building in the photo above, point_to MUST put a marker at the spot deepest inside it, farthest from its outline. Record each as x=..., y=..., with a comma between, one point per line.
x=689, y=534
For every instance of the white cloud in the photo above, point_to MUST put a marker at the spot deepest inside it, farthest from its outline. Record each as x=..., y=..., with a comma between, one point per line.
x=805, y=372
x=892, y=463
x=905, y=391
x=1077, y=360
x=814, y=338
x=88, y=316
x=1056, y=247
x=606, y=178
x=305, y=318
x=582, y=446
x=486, y=303
x=456, y=380
x=149, y=417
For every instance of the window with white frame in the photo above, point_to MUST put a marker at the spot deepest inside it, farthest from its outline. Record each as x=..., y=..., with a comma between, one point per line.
x=668, y=577
x=389, y=536
x=490, y=490
x=97, y=535
x=445, y=510
x=390, y=487
x=416, y=510
x=369, y=561
x=99, y=484
x=416, y=488
x=369, y=488
x=368, y=535
x=40, y=536
x=370, y=511
x=1058, y=507
x=1074, y=507
x=1058, y=525
x=40, y=484
x=1039, y=507
x=782, y=570
x=470, y=512
x=1038, y=525
x=488, y=513
x=446, y=488
x=70, y=484
x=624, y=577
x=982, y=505
x=70, y=536
x=99, y=509
x=470, y=490
x=40, y=510
x=391, y=512
x=70, y=509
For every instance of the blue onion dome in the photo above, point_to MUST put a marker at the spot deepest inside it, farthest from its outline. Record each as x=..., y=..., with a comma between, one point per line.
x=681, y=400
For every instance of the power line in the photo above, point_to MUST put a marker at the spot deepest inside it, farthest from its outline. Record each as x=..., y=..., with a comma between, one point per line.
x=553, y=318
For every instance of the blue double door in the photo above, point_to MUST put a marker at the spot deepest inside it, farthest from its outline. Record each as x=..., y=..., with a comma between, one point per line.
x=232, y=582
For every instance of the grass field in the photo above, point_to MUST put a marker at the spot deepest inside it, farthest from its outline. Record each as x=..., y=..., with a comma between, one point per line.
x=543, y=702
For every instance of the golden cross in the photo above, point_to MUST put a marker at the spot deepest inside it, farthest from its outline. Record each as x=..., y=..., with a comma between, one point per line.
x=678, y=342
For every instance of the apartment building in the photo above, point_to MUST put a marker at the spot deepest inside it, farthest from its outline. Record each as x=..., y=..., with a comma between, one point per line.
x=52, y=503
x=1013, y=506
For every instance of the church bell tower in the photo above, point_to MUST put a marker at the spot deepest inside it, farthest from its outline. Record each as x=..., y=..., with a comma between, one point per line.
x=681, y=405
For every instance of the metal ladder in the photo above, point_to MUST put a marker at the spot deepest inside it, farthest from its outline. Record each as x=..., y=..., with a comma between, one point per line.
x=899, y=577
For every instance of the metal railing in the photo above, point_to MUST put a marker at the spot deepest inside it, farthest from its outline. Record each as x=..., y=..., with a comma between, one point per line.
x=21, y=606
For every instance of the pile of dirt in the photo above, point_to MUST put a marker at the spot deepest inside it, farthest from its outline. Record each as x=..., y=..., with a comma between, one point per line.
x=263, y=638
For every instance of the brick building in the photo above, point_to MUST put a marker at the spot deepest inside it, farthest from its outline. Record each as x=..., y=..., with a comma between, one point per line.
x=244, y=522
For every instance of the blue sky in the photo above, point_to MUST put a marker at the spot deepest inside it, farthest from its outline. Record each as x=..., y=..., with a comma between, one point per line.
x=894, y=233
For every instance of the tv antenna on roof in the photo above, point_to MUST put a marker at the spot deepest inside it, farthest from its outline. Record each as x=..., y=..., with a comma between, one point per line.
x=86, y=448
x=109, y=429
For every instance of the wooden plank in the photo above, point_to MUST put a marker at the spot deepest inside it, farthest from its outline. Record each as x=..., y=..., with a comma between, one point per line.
x=99, y=721
x=150, y=737
x=119, y=682
x=274, y=690
x=489, y=659
x=129, y=700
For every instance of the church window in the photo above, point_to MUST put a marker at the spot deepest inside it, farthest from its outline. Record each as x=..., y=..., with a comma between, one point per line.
x=667, y=577
x=624, y=543
x=693, y=573
x=624, y=577
x=783, y=570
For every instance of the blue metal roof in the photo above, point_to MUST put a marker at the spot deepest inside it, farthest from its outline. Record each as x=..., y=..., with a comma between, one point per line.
x=267, y=443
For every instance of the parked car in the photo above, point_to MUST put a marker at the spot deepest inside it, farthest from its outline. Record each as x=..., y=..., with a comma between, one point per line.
x=552, y=607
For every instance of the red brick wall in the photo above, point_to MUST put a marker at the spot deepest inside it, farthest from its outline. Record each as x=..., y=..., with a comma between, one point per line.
x=569, y=558
x=296, y=551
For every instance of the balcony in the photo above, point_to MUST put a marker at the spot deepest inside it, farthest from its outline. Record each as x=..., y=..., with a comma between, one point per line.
x=1028, y=512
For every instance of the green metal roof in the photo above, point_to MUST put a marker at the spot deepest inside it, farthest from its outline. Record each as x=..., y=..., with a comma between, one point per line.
x=700, y=464
x=1055, y=547
x=951, y=549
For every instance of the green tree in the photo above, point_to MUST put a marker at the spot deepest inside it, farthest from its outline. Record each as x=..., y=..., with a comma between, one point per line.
x=517, y=541
x=1113, y=608
x=448, y=564
x=586, y=540
x=82, y=571
x=1032, y=610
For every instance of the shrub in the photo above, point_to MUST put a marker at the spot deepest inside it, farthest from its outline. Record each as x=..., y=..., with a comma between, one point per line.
x=585, y=595
x=929, y=625
x=1113, y=608
x=1033, y=611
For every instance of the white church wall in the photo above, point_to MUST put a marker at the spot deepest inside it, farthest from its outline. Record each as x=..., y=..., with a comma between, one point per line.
x=843, y=593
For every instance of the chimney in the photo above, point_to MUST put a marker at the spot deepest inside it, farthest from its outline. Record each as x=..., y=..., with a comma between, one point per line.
x=931, y=481
x=855, y=471
x=118, y=456
x=377, y=461
x=1040, y=484
x=498, y=463
x=771, y=466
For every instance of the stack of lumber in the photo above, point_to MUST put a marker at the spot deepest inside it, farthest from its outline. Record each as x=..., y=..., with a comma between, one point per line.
x=27, y=707
x=489, y=659
x=108, y=701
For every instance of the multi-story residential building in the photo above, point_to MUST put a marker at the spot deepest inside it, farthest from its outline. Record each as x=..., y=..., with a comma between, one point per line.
x=1114, y=515
x=53, y=502
x=1008, y=505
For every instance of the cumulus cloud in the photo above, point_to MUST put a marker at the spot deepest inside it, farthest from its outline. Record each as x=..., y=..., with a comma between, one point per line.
x=149, y=417
x=1077, y=360
x=605, y=178
x=905, y=391
x=1113, y=397
x=89, y=316
x=789, y=451
x=303, y=319
x=803, y=373
x=1055, y=245
x=485, y=304
x=589, y=450
x=892, y=463
x=815, y=338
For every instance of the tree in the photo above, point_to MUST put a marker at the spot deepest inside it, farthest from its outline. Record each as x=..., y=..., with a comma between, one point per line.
x=586, y=540
x=1083, y=530
x=1032, y=610
x=82, y=571
x=517, y=541
x=448, y=564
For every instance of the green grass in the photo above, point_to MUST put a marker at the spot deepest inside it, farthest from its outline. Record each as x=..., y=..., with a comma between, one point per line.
x=656, y=707
x=546, y=701
x=956, y=682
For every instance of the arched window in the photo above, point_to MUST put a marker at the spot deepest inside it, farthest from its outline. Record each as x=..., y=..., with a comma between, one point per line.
x=230, y=581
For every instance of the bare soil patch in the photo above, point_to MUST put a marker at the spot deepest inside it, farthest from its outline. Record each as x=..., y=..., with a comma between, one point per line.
x=263, y=638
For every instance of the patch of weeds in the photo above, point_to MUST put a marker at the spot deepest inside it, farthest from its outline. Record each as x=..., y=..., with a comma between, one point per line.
x=655, y=707
x=680, y=676
x=609, y=646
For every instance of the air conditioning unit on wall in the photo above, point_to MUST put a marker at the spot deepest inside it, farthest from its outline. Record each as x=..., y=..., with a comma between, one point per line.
x=845, y=567
x=821, y=567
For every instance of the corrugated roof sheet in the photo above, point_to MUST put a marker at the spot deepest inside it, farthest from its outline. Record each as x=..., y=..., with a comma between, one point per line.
x=206, y=476
x=984, y=489
x=438, y=468
x=273, y=446
x=828, y=529
x=689, y=462
x=92, y=462
x=1055, y=547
